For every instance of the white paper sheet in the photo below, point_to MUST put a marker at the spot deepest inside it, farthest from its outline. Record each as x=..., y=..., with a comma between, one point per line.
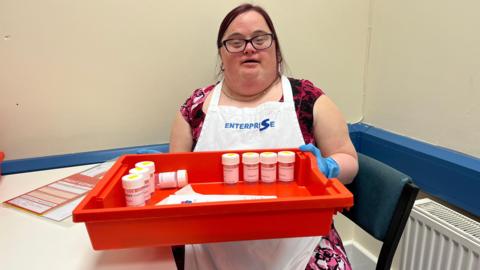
x=188, y=195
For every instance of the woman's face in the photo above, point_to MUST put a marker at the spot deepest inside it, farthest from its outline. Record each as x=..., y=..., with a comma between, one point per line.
x=251, y=64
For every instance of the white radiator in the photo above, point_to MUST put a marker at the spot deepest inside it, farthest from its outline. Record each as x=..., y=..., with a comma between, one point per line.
x=437, y=237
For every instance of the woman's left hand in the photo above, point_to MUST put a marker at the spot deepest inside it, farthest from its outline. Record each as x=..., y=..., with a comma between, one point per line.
x=328, y=166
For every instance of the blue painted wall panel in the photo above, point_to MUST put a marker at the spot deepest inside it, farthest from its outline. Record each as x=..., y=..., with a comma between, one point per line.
x=438, y=171
x=76, y=159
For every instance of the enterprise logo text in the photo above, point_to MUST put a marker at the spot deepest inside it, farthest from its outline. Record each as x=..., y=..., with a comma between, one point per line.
x=264, y=124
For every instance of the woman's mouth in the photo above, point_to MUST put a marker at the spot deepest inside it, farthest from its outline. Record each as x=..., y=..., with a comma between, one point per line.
x=251, y=62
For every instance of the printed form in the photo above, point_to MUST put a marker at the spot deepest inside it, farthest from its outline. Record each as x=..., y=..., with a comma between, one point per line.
x=57, y=200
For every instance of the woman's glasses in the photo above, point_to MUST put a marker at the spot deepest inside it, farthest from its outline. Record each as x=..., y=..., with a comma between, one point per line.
x=260, y=42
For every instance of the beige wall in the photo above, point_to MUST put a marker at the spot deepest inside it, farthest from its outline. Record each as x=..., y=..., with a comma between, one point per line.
x=424, y=72
x=423, y=77
x=90, y=75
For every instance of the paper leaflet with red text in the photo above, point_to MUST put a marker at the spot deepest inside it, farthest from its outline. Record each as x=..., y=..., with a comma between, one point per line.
x=57, y=200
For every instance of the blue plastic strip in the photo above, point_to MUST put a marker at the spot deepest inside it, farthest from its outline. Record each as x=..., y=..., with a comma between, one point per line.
x=449, y=175
x=356, y=130
x=76, y=159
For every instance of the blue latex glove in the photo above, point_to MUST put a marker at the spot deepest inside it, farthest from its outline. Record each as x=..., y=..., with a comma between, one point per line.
x=146, y=151
x=328, y=166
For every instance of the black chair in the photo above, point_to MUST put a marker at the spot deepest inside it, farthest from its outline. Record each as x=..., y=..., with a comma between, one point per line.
x=383, y=199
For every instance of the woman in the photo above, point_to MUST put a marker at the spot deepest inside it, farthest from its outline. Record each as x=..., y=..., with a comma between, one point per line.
x=287, y=113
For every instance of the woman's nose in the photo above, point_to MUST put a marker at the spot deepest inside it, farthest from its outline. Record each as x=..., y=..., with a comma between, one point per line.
x=249, y=49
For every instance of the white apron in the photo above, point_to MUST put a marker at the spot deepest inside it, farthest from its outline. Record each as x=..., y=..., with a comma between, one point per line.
x=270, y=125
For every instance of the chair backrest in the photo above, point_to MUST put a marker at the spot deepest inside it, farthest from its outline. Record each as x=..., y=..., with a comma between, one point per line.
x=383, y=198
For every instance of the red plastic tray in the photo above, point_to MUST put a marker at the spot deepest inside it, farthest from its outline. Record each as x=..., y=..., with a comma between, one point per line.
x=304, y=207
x=2, y=156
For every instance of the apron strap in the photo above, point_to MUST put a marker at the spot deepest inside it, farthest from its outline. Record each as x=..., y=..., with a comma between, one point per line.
x=215, y=96
x=287, y=91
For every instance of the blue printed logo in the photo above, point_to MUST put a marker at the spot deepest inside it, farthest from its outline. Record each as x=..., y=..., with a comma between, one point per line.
x=266, y=123
x=261, y=126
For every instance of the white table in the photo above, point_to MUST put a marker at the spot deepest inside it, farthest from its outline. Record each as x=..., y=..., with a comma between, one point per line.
x=31, y=242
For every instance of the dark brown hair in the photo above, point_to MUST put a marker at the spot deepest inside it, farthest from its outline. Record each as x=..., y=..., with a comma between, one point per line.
x=240, y=10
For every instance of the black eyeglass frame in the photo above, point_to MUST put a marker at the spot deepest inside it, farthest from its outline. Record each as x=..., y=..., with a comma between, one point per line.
x=224, y=43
